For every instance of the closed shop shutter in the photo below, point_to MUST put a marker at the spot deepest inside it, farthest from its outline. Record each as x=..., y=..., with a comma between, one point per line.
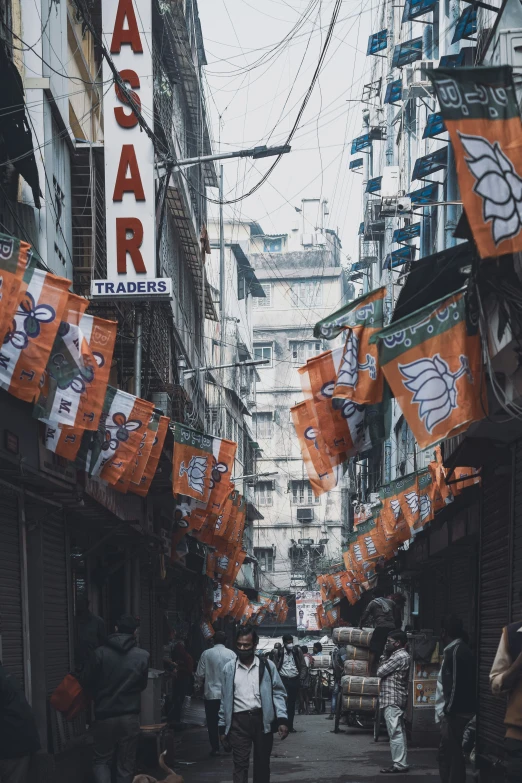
x=517, y=535
x=461, y=594
x=493, y=605
x=145, y=614
x=56, y=609
x=11, y=622
x=433, y=602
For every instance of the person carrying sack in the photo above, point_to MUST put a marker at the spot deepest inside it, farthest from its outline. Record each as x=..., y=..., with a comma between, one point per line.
x=252, y=707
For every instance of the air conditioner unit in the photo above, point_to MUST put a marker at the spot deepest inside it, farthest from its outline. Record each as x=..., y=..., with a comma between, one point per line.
x=400, y=205
x=307, y=240
x=305, y=515
x=391, y=180
x=415, y=81
x=506, y=49
x=320, y=240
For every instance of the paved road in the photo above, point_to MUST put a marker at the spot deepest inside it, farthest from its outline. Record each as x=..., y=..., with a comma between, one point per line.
x=313, y=755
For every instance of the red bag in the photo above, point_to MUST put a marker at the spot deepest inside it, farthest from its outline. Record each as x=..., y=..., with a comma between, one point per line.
x=69, y=697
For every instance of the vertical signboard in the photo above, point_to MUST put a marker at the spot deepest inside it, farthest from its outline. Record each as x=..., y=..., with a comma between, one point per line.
x=306, y=603
x=129, y=156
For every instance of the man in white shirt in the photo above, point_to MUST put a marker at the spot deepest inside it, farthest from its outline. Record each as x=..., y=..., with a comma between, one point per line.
x=291, y=666
x=253, y=700
x=209, y=674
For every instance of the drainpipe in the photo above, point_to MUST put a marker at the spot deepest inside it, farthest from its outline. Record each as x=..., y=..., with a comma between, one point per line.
x=138, y=351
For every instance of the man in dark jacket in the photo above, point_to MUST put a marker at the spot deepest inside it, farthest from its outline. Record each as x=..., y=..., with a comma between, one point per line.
x=18, y=733
x=457, y=706
x=115, y=677
x=291, y=665
x=90, y=632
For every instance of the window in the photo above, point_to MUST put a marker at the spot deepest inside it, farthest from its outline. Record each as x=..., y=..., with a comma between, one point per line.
x=262, y=352
x=406, y=448
x=307, y=294
x=241, y=284
x=263, y=424
x=304, y=350
x=266, y=300
x=302, y=493
x=265, y=490
x=272, y=245
x=265, y=558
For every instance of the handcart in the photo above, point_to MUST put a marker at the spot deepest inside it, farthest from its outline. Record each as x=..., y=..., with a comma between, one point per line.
x=321, y=682
x=358, y=699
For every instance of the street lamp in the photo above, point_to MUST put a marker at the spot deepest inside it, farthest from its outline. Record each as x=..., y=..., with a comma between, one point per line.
x=189, y=373
x=256, y=153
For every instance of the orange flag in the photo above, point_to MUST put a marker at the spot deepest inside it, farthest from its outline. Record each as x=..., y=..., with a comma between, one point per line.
x=324, y=470
x=15, y=259
x=31, y=334
x=154, y=457
x=202, y=466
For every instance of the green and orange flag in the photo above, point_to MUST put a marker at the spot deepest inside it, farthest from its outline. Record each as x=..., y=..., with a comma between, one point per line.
x=202, y=466
x=434, y=369
x=323, y=469
x=15, y=258
x=480, y=110
x=142, y=488
x=359, y=376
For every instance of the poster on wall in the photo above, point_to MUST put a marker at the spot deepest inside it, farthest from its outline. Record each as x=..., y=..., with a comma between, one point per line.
x=306, y=603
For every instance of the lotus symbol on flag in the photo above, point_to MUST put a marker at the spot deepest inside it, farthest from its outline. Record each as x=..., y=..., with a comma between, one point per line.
x=182, y=514
x=425, y=506
x=497, y=184
x=196, y=471
x=348, y=374
x=412, y=499
x=434, y=387
x=371, y=366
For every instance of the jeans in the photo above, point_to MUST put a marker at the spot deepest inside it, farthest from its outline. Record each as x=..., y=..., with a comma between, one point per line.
x=394, y=717
x=247, y=730
x=292, y=691
x=335, y=695
x=15, y=770
x=513, y=760
x=212, y=714
x=452, y=765
x=115, y=736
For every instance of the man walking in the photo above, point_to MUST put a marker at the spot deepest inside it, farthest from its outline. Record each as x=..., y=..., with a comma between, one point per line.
x=90, y=632
x=394, y=669
x=209, y=674
x=457, y=705
x=253, y=698
x=18, y=733
x=115, y=677
x=338, y=659
x=291, y=666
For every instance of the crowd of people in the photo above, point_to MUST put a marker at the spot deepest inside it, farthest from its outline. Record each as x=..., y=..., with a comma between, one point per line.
x=251, y=695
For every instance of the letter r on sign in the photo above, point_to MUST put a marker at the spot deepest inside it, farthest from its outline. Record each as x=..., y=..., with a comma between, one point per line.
x=130, y=245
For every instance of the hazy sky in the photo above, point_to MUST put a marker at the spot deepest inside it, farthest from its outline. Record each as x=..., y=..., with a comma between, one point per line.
x=258, y=93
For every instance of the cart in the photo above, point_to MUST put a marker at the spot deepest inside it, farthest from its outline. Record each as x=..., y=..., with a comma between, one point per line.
x=366, y=715
x=321, y=685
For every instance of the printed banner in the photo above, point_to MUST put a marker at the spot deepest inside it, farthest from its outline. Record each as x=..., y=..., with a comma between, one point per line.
x=366, y=311
x=324, y=471
x=480, y=110
x=16, y=258
x=31, y=333
x=306, y=604
x=77, y=401
x=136, y=466
x=151, y=467
x=63, y=441
x=434, y=369
x=202, y=466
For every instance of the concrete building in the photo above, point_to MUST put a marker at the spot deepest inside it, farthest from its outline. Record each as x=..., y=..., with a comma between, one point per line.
x=303, y=281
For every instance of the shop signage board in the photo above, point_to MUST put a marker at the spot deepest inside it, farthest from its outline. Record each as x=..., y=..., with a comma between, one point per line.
x=306, y=604
x=129, y=158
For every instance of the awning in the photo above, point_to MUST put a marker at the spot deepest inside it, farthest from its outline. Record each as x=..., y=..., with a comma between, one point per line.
x=377, y=42
x=407, y=52
x=254, y=286
x=415, y=8
x=429, y=164
x=434, y=277
x=357, y=163
x=374, y=185
x=361, y=143
x=434, y=126
x=466, y=25
x=14, y=128
x=393, y=92
x=406, y=233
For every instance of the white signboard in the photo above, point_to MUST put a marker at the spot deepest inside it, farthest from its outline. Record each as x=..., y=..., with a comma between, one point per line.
x=129, y=156
x=306, y=603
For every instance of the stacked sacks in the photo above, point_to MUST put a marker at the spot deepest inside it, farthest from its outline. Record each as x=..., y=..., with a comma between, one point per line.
x=359, y=691
x=322, y=662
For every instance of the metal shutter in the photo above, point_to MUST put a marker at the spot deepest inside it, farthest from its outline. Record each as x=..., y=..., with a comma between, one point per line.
x=493, y=605
x=11, y=622
x=145, y=621
x=517, y=535
x=56, y=608
x=462, y=589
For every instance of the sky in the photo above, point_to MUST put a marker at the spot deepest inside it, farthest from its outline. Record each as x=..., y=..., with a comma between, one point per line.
x=254, y=94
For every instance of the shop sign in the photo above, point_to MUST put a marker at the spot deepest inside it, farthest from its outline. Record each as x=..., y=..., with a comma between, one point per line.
x=129, y=157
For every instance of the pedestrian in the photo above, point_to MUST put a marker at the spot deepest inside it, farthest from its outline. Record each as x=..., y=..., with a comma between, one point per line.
x=338, y=659
x=183, y=682
x=457, y=706
x=209, y=675
x=115, y=677
x=252, y=702
x=90, y=632
x=394, y=670
x=291, y=666
x=19, y=738
x=384, y=615
x=304, y=694
x=317, y=648
x=273, y=654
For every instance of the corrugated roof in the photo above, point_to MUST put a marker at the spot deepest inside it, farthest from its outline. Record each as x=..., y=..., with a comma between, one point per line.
x=254, y=286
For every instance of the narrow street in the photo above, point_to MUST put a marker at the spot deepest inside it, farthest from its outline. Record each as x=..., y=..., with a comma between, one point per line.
x=313, y=755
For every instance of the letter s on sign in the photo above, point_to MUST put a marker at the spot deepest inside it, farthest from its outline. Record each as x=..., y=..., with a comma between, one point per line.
x=127, y=120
